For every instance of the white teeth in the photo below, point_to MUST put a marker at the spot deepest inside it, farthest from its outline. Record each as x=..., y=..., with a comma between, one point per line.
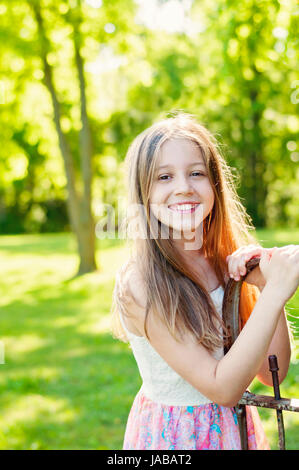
x=184, y=207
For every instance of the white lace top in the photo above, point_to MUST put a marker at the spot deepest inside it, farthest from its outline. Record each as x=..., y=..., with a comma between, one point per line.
x=160, y=382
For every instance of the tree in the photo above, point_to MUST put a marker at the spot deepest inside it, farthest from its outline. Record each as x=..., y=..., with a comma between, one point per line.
x=82, y=82
x=79, y=205
x=76, y=23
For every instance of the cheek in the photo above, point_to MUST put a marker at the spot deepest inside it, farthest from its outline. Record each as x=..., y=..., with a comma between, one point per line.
x=208, y=191
x=211, y=196
x=208, y=199
x=205, y=190
x=157, y=195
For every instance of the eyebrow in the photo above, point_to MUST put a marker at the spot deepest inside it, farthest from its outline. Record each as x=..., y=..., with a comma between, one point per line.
x=171, y=166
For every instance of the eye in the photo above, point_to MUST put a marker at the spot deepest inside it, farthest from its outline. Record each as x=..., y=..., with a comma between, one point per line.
x=198, y=173
x=163, y=177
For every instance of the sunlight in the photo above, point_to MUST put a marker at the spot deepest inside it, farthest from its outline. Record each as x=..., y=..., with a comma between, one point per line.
x=94, y=3
x=106, y=61
x=19, y=345
x=33, y=406
x=101, y=326
x=172, y=16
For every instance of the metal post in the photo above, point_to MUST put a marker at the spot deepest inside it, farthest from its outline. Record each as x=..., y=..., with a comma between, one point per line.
x=242, y=422
x=273, y=367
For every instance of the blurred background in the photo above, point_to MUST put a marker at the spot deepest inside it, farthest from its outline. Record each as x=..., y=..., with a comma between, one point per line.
x=79, y=79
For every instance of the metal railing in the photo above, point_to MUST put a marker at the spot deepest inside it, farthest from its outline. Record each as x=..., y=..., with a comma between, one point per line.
x=231, y=319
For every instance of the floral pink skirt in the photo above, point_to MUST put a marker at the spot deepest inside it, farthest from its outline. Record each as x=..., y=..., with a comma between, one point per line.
x=154, y=426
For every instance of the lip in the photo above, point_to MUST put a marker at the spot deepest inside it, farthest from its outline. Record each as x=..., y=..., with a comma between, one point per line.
x=181, y=203
x=173, y=207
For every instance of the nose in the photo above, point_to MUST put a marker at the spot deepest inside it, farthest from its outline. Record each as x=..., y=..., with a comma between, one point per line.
x=183, y=186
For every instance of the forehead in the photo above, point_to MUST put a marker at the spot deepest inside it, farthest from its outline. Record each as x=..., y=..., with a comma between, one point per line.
x=182, y=152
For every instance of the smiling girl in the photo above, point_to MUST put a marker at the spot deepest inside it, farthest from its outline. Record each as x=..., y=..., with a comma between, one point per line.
x=168, y=296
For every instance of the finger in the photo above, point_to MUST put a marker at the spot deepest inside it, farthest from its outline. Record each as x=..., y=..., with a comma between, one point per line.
x=254, y=254
x=258, y=253
x=237, y=265
x=241, y=269
x=233, y=255
x=246, y=248
x=238, y=259
x=294, y=252
x=288, y=248
x=232, y=265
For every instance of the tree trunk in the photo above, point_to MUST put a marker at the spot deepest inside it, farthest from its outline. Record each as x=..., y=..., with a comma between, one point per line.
x=79, y=207
x=259, y=189
x=87, y=227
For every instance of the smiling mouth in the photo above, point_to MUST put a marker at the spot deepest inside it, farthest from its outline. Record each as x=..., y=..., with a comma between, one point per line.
x=184, y=208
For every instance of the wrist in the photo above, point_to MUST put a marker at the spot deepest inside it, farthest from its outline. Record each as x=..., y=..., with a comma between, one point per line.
x=277, y=294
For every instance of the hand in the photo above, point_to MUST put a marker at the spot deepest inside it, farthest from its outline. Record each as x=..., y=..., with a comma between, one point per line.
x=238, y=259
x=280, y=268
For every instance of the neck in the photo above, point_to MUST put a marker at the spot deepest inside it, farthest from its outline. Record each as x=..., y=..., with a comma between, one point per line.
x=188, y=248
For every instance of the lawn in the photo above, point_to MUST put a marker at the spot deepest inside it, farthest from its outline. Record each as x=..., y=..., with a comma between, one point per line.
x=65, y=382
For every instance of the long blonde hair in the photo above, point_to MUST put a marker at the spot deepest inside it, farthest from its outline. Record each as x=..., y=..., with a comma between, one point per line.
x=172, y=290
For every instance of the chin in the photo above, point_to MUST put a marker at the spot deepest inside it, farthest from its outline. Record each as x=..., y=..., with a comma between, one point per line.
x=186, y=234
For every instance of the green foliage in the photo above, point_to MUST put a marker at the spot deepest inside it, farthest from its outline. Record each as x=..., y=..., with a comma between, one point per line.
x=237, y=73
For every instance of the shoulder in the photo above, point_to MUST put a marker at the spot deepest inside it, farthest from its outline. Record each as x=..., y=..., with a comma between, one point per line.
x=131, y=284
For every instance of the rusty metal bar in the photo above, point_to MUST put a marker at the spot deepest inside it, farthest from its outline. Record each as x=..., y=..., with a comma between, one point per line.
x=265, y=401
x=242, y=422
x=273, y=367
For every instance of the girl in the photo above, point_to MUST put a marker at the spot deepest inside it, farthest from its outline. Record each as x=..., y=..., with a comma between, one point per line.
x=191, y=234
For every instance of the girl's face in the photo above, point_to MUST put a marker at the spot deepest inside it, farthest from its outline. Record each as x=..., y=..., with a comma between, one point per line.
x=181, y=195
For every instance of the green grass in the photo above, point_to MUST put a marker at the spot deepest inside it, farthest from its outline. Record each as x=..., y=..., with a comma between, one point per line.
x=66, y=383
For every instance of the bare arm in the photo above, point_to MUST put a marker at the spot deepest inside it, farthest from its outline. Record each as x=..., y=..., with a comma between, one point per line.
x=280, y=346
x=225, y=381
x=280, y=343
x=244, y=360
